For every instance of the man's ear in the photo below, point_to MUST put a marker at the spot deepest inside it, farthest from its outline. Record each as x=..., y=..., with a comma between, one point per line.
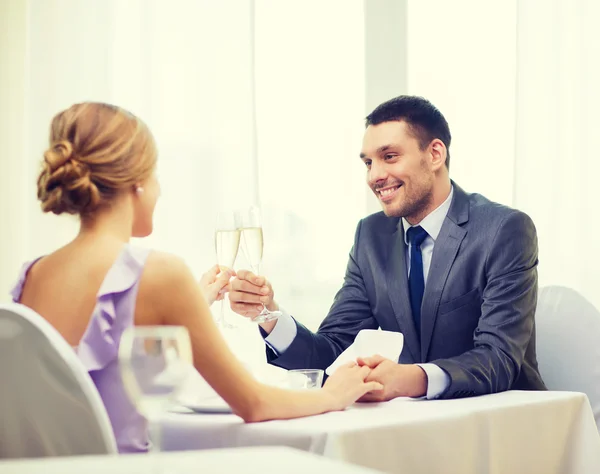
x=438, y=153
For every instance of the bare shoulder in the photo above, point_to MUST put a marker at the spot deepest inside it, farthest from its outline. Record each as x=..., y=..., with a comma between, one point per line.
x=164, y=268
x=166, y=279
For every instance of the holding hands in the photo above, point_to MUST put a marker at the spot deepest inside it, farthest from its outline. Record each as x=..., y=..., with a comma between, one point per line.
x=398, y=380
x=349, y=383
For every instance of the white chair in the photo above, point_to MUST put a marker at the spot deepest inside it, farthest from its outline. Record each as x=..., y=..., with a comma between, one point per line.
x=568, y=343
x=49, y=405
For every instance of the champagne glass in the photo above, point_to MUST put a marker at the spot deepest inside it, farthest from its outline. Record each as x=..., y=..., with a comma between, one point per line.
x=154, y=362
x=227, y=242
x=252, y=246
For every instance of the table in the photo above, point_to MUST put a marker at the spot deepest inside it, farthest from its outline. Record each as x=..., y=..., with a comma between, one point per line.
x=512, y=432
x=243, y=460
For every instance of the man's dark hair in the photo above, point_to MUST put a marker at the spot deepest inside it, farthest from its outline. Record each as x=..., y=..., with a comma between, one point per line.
x=425, y=121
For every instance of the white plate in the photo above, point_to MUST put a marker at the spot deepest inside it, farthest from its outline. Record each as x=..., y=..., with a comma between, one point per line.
x=210, y=405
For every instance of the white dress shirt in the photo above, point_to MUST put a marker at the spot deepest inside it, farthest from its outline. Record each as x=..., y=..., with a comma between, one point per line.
x=285, y=331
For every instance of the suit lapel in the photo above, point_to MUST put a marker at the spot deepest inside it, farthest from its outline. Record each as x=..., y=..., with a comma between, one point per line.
x=444, y=253
x=397, y=280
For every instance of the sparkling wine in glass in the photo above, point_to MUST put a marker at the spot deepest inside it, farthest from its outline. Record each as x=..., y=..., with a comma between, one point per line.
x=252, y=246
x=227, y=242
x=154, y=362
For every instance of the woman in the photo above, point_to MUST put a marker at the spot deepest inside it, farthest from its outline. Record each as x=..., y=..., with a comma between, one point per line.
x=101, y=166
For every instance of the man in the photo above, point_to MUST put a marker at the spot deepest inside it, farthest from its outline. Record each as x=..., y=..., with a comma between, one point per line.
x=454, y=272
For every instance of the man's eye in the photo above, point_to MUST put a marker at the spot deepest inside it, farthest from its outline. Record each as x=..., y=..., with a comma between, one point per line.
x=389, y=156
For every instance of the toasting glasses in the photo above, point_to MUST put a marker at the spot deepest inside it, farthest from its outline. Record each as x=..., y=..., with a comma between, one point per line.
x=251, y=242
x=227, y=242
x=235, y=230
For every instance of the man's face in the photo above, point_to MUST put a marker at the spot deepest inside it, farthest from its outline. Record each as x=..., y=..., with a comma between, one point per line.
x=398, y=171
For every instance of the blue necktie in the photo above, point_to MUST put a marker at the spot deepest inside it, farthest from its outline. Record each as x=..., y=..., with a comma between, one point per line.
x=416, y=281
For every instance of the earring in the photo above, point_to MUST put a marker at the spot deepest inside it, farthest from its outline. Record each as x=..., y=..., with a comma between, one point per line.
x=139, y=190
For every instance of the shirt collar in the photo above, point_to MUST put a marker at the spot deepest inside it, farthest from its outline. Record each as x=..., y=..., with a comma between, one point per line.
x=432, y=222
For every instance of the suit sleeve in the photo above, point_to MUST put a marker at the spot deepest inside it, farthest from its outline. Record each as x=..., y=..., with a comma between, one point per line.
x=507, y=314
x=349, y=313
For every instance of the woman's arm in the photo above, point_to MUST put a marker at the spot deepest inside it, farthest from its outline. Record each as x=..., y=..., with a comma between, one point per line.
x=169, y=290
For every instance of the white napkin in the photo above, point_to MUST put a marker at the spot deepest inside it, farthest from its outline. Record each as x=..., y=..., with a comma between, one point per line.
x=369, y=342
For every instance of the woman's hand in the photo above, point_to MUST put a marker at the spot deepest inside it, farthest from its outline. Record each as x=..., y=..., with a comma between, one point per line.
x=215, y=283
x=347, y=384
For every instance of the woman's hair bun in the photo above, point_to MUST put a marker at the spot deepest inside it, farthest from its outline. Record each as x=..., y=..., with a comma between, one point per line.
x=65, y=184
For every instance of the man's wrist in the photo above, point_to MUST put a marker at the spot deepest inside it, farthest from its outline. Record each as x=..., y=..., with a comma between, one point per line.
x=411, y=381
x=273, y=306
x=419, y=382
x=268, y=326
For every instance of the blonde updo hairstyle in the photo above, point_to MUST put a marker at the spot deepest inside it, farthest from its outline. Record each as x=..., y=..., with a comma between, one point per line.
x=96, y=152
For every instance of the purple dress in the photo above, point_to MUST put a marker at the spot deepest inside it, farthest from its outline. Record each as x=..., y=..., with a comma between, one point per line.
x=98, y=348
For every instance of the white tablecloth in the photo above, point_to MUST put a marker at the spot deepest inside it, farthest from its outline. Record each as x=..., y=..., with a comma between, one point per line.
x=513, y=432
x=245, y=460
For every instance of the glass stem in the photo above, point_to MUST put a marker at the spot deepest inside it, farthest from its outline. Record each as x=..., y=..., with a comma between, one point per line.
x=221, y=321
x=156, y=435
x=156, y=443
x=256, y=271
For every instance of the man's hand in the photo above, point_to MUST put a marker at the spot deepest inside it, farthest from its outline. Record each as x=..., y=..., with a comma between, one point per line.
x=398, y=380
x=214, y=283
x=249, y=293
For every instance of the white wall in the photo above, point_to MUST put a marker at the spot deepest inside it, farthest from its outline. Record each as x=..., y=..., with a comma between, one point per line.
x=13, y=221
x=557, y=138
x=320, y=68
x=385, y=59
x=310, y=92
x=185, y=68
x=462, y=57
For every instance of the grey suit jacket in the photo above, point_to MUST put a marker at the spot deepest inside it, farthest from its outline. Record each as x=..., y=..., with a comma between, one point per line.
x=477, y=317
